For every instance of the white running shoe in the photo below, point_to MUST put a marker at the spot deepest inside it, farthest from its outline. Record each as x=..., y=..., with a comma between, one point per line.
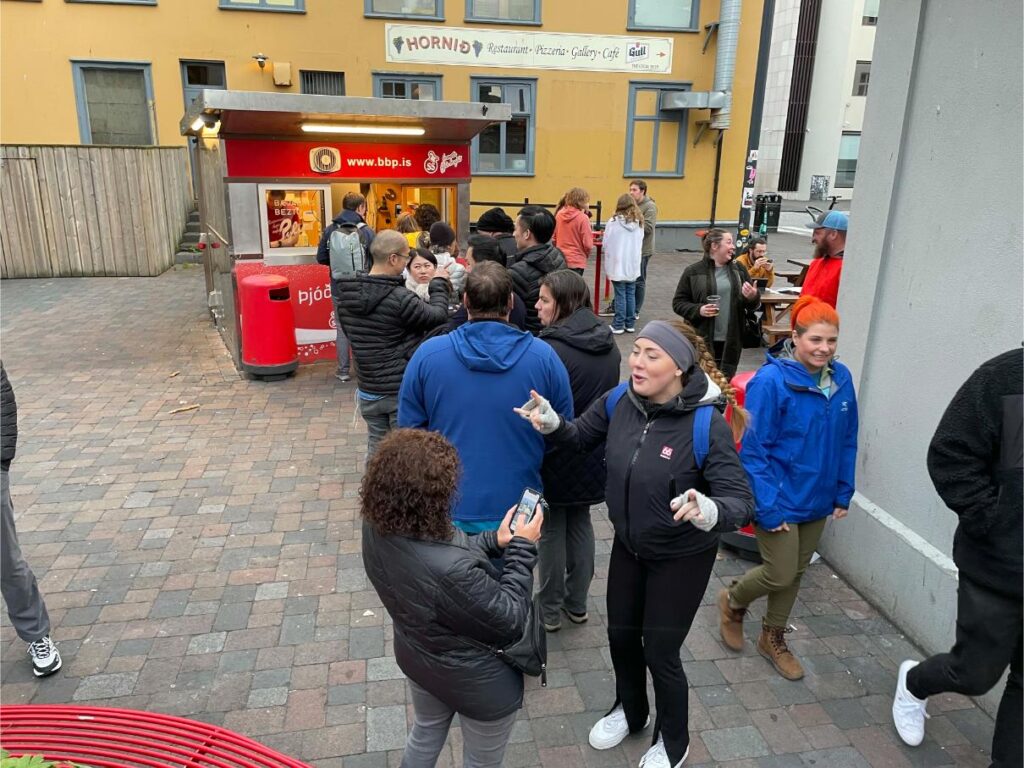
x=611, y=729
x=45, y=657
x=657, y=757
x=908, y=711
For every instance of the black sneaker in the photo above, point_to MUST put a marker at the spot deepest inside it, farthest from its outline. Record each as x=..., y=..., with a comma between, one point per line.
x=45, y=657
x=576, y=618
x=608, y=311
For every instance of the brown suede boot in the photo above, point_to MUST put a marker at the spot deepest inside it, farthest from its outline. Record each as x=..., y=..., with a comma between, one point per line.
x=772, y=645
x=731, y=623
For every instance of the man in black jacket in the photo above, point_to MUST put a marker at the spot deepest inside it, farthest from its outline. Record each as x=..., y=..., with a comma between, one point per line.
x=536, y=258
x=976, y=461
x=25, y=605
x=385, y=322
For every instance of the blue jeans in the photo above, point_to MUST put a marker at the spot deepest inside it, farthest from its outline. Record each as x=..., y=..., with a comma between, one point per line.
x=625, y=305
x=641, y=283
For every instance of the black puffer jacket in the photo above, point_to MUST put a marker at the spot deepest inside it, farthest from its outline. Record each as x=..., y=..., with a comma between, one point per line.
x=385, y=322
x=530, y=266
x=587, y=348
x=8, y=420
x=646, y=447
x=439, y=593
x=976, y=461
x=507, y=244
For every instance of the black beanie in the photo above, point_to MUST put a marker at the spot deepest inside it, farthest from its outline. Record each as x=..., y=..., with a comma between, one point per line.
x=495, y=220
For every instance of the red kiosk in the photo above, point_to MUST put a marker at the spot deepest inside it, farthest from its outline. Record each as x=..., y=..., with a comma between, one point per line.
x=272, y=169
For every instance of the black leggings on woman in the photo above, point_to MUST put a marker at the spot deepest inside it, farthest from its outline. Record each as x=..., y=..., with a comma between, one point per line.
x=651, y=605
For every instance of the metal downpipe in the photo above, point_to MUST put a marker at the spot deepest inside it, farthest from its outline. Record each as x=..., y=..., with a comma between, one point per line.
x=725, y=59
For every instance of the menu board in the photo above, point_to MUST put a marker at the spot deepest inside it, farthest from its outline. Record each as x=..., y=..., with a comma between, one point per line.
x=293, y=218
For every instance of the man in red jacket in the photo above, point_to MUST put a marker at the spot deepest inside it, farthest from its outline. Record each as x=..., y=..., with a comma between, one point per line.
x=829, y=240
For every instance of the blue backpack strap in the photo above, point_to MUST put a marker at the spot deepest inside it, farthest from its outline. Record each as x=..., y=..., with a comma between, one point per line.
x=702, y=434
x=613, y=399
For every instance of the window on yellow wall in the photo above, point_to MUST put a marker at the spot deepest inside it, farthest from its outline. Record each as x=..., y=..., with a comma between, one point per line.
x=655, y=138
x=418, y=9
x=288, y=6
x=505, y=149
x=503, y=11
x=675, y=16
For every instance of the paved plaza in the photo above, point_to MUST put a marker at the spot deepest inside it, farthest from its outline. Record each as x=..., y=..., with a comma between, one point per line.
x=206, y=563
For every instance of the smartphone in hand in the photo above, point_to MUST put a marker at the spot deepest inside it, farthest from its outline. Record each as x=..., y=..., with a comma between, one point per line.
x=526, y=509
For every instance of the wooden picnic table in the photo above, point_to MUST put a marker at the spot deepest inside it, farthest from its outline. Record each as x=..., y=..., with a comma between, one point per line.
x=775, y=305
x=803, y=264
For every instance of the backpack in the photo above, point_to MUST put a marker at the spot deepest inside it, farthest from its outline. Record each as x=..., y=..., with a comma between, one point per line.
x=701, y=423
x=348, y=254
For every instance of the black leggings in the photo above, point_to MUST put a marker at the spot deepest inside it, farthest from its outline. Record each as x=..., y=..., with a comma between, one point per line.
x=651, y=605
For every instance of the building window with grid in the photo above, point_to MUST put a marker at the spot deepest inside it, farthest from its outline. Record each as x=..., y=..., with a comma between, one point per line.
x=861, y=78
x=416, y=87
x=114, y=101
x=286, y=6
x=505, y=149
x=503, y=11
x=846, y=169
x=321, y=83
x=676, y=16
x=655, y=138
x=870, y=17
x=413, y=9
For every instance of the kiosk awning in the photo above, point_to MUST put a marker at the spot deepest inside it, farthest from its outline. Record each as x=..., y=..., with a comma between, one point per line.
x=258, y=113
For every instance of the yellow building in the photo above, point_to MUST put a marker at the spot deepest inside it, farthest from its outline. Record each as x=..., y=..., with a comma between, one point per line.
x=588, y=101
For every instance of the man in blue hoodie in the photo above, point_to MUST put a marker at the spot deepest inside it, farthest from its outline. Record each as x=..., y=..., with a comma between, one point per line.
x=465, y=385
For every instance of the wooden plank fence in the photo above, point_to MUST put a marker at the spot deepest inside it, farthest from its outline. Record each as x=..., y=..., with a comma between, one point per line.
x=80, y=211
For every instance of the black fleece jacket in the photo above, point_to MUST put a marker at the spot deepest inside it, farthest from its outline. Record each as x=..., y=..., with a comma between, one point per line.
x=976, y=461
x=8, y=420
x=530, y=266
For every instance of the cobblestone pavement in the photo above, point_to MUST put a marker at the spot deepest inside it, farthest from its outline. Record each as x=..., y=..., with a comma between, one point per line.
x=207, y=564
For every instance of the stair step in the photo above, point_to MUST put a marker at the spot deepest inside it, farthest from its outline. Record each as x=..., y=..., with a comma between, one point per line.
x=194, y=216
x=192, y=226
x=189, y=238
x=188, y=257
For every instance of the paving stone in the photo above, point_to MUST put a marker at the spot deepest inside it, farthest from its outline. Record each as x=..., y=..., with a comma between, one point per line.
x=106, y=686
x=385, y=728
x=209, y=643
x=365, y=642
x=735, y=743
x=272, y=678
x=384, y=668
x=267, y=697
x=354, y=693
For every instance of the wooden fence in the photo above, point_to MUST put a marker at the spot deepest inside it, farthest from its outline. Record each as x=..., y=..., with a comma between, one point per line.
x=76, y=211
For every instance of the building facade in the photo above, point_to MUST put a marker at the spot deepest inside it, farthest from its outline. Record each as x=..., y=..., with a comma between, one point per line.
x=587, y=101
x=816, y=90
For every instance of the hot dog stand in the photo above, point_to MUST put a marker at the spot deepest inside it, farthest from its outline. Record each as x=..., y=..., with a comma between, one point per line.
x=272, y=170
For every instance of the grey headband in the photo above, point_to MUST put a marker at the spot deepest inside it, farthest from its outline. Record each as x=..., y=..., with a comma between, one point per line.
x=676, y=346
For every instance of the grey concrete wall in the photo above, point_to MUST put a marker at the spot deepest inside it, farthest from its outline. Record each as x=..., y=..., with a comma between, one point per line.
x=931, y=285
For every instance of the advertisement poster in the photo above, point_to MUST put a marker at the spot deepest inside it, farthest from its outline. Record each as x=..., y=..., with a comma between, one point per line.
x=328, y=160
x=310, y=289
x=408, y=44
x=294, y=219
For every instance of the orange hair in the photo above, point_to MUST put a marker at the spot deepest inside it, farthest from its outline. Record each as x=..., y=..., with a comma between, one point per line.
x=809, y=310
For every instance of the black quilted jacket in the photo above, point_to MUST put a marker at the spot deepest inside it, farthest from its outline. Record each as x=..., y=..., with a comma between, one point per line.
x=531, y=265
x=587, y=348
x=385, y=322
x=8, y=420
x=443, y=594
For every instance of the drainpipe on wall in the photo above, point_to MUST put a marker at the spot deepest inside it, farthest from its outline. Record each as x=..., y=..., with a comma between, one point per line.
x=725, y=68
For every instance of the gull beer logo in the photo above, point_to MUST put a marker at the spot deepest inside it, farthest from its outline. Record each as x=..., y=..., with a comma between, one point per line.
x=324, y=159
x=637, y=52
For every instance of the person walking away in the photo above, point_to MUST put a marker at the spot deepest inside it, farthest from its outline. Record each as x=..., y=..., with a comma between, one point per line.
x=674, y=481
x=623, y=240
x=756, y=261
x=351, y=246
x=713, y=294
x=976, y=461
x=573, y=234
x=801, y=455
x=26, y=608
x=826, y=269
x=449, y=604
x=536, y=257
x=409, y=227
x=649, y=210
x=572, y=481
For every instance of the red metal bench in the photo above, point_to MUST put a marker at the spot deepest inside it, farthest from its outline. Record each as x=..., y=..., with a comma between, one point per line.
x=104, y=737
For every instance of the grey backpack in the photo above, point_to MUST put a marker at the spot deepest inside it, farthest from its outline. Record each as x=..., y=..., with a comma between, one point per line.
x=348, y=254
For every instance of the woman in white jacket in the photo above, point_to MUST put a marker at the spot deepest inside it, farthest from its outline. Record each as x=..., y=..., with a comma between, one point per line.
x=623, y=238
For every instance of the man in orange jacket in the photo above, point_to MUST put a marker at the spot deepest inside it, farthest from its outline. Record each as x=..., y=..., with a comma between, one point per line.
x=829, y=240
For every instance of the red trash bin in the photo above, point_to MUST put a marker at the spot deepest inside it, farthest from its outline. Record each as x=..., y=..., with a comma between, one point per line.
x=268, y=327
x=743, y=541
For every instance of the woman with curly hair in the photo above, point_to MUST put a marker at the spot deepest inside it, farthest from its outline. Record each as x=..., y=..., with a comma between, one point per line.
x=573, y=234
x=447, y=600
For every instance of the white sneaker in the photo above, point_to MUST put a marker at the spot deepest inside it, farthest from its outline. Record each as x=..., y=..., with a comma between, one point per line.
x=45, y=657
x=908, y=711
x=611, y=729
x=617, y=331
x=657, y=757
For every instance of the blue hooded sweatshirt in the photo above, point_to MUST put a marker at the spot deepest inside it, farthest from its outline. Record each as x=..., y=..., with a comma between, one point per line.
x=465, y=385
x=800, y=451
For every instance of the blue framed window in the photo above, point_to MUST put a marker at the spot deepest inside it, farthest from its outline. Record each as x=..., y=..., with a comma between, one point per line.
x=388, y=85
x=284, y=6
x=503, y=11
x=661, y=16
x=655, y=138
x=114, y=100
x=429, y=10
x=846, y=167
x=506, y=149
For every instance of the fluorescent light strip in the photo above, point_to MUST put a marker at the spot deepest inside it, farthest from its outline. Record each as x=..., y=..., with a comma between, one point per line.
x=362, y=130
x=198, y=124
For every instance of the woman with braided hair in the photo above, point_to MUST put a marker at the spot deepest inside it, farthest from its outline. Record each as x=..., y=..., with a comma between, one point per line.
x=800, y=454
